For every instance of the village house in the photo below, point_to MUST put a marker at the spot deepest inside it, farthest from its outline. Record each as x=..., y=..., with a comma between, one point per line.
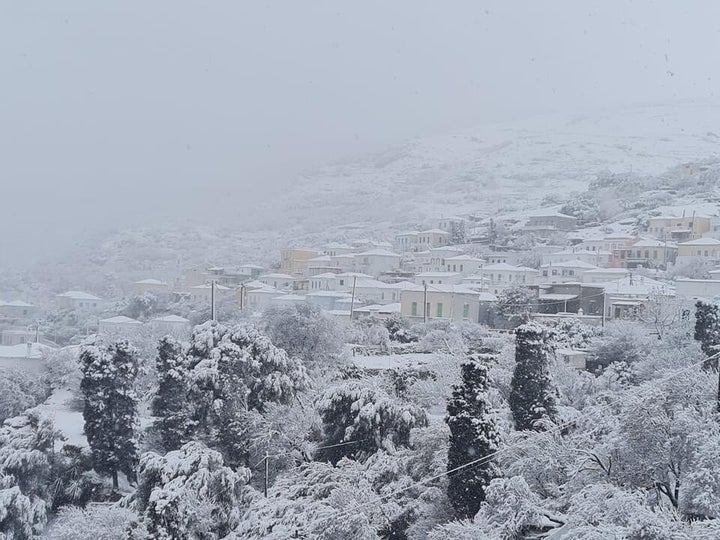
x=578, y=298
x=336, y=248
x=288, y=300
x=294, y=261
x=466, y=265
x=564, y=272
x=376, y=262
x=618, y=242
x=598, y=257
x=603, y=275
x=678, y=229
x=321, y=265
x=327, y=300
x=202, y=294
x=259, y=298
x=80, y=301
x=119, y=325
x=625, y=297
x=277, y=280
x=646, y=252
x=153, y=286
x=422, y=240
x=708, y=248
x=377, y=310
x=438, y=278
x=171, y=324
x=17, y=310
x=505, y=257
x=698, y=288
x=548, y=223
x=454, y=302
x=502, y=276
x=30, y=357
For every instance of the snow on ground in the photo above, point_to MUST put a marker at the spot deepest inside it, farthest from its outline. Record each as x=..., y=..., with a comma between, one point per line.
x=58, y=409
x=394, y=361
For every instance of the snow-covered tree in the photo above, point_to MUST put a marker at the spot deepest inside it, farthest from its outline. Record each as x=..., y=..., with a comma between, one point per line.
x=473, y=434
x=515, y=304
x=19, y=391
x=359, y=421
x=304, y=330
x=170, y=402
x=189, y=493
x=26, y=443
x=233, y=371
x=623, y=342
x=707, y=330
x=532, y=395
x=110, y=405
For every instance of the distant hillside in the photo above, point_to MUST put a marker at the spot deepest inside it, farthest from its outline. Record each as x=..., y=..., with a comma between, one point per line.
x=503, y=167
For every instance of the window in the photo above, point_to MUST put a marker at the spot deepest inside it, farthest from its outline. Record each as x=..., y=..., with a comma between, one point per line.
x=706, y=252
x=342, y=282
x=427, y=309
x=466, y=310
x=413, y=309
x=461, y=267
x=544, y=273
x=571, y=272
x=439, y=310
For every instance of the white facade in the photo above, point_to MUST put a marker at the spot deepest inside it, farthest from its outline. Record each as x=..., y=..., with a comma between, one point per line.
x=80, y=301
x=564, y=272
x=453, y=302
x=120, y=325
x=171, y=324
x=501, y=276
x=376, y=262
x=438, y=278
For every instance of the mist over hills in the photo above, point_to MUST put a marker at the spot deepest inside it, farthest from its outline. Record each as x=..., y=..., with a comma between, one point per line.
x=489, y=170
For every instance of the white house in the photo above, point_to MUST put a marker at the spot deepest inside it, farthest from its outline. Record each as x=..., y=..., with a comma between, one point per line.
x=260, y=298
x=453, y=302
x=27, y=356
x=288, y=300
x=277, y=281
x=80, y=301
x=599, y=257
x=698, y=288
x=17, y=309
x=603, y=275
x=120, y=325
x=466, y=265
x=171, y=324
x=326, y=300
x=431, y=278
x=203, y=293
x=378, y=310
x=502, y=276
x=376, y=262
x=151, y=285
x=564, y=272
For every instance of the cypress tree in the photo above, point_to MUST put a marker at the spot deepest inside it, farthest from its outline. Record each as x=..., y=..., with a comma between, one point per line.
x=473, y=434
x=110, y=406
x=531, y=394
x=170, y=402
x=707, y=331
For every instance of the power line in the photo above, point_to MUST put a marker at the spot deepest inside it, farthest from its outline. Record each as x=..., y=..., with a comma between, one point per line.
x=557, y=427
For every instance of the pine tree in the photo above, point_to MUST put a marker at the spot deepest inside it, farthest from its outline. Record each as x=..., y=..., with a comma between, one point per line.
x=473, y=434
x=170, y=403
x=707, y=331
x=531, y=394
x=110, y=411
x=233, y=371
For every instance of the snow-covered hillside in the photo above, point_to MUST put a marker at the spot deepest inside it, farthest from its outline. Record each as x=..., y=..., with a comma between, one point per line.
x=507, y=166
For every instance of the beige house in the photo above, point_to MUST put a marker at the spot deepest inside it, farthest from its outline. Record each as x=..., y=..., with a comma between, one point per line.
x=422, y=240
x=454, y=302
x=294, y=261
x=708, y=248
x=646, y=252
x=80, y=301
x=564, y=272
x=678, y=229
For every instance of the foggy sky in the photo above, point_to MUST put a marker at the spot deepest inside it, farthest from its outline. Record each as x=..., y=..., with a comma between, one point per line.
x=122, y=113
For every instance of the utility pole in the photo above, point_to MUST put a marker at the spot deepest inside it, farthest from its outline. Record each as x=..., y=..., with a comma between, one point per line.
x=352, y=298
x=425, y=309
x=212, y=300
x=267, y=468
